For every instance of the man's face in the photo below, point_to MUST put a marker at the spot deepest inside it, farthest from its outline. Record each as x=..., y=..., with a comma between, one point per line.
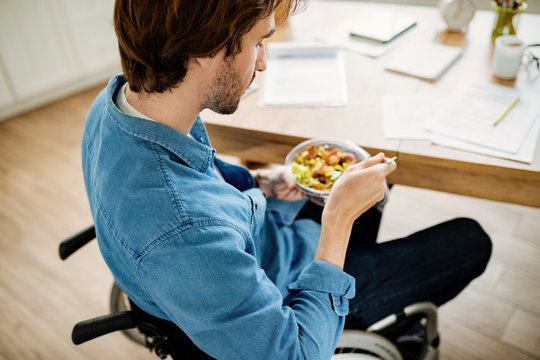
x=235, y=73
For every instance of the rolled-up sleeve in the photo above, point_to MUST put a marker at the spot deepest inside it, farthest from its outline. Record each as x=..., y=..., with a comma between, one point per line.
x=321, y=276
x=205, y=281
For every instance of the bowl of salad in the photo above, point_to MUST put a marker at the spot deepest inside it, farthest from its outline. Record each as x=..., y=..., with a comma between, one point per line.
x=316, y=164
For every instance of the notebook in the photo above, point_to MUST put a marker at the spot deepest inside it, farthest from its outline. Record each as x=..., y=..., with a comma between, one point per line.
x=423, y=59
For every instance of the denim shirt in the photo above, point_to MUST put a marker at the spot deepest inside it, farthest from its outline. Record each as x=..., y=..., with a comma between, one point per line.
x=232, y=269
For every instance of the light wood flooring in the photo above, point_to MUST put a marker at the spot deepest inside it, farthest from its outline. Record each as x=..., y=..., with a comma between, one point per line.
x=42, y=201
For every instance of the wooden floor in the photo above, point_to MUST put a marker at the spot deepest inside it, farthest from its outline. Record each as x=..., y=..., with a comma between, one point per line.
x=42, y=201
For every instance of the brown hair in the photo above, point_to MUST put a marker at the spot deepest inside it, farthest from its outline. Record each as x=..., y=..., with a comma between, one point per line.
x=156, y=38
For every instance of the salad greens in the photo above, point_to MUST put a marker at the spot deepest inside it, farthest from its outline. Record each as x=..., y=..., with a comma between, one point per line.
x=318, y=168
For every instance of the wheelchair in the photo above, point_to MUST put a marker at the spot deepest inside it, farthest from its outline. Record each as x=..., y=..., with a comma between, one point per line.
x=388, y=339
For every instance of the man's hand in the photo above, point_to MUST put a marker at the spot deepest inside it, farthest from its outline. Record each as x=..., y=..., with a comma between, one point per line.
x=278, y=184
x=359, y=188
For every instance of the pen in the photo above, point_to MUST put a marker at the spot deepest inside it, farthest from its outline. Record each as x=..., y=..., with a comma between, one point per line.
x=506, y=111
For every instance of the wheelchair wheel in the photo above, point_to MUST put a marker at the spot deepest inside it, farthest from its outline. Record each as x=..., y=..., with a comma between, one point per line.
x=364, y=345
x=120, y=302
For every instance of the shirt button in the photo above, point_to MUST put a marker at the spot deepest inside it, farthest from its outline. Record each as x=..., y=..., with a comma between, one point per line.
x=256, y=206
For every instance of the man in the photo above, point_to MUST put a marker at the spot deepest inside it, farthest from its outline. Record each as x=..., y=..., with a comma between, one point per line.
x=194, y=240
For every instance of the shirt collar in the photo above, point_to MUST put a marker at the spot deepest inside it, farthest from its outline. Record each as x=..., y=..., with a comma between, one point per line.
x=195, y=154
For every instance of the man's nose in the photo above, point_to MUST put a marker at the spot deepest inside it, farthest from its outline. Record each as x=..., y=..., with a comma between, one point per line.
x=260, y=65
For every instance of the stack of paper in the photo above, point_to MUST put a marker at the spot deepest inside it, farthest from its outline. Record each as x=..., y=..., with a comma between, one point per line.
x=303, y=75
x=467, y=121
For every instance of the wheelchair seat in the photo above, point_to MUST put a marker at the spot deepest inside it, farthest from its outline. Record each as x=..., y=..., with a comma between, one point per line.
x=381, y=341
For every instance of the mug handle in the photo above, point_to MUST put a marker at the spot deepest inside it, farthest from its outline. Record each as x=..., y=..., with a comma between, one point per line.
x=529, y=58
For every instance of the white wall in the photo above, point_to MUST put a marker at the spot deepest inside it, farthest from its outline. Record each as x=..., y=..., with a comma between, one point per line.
x=533, y=5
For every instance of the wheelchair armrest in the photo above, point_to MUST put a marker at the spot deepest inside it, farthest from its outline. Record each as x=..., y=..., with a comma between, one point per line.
x=93, y=328
x=75, y=242
x=429, y=310
x=425, y=310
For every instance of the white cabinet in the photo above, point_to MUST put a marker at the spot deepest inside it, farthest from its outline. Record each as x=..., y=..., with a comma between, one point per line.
x=35, y=49
x=51, y=48
x=90, y=25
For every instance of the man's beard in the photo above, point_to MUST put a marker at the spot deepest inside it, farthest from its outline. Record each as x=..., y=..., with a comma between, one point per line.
x=226, y=89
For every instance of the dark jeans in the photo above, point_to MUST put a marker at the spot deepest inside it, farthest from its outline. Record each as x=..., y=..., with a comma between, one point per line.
x=434, y=264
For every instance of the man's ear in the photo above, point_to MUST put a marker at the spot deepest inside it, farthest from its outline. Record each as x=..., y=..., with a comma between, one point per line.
x=202, y=62
x=208, y=61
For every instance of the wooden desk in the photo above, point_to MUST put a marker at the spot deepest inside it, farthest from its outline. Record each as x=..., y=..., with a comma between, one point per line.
x=267, y=134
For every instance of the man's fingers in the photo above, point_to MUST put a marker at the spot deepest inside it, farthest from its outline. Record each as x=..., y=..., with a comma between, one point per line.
x=373, y=160
x=384, y=168
x=389, y=167
x=368, y=162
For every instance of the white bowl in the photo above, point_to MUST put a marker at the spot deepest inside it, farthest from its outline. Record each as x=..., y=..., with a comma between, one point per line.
x=328, y=144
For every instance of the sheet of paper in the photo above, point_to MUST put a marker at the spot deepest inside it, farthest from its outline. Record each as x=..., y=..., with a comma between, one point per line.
x=524, y=154
x=424, y=59
x=471, y=118
x=416, y=117
x=340, y=35
x=410, y=116
x=303, y=75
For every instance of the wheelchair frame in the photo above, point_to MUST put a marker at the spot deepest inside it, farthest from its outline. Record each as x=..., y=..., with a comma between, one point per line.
x=165, y=338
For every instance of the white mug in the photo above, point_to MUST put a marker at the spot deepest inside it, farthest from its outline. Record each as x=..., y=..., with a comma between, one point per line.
x=509, y=51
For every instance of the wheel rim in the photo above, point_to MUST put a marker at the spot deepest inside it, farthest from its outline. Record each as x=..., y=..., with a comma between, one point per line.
x=119, y=301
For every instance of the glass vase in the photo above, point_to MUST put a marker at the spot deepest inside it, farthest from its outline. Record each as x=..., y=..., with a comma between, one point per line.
x=506, y=20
